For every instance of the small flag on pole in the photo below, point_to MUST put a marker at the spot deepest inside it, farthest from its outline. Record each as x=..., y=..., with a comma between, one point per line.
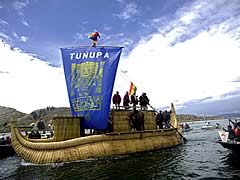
x=133, y=89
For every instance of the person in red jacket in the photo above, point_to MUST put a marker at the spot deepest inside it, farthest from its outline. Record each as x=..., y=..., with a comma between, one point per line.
x=117, y=100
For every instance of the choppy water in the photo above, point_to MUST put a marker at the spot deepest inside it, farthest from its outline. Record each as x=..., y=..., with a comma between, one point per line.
x=200, y=158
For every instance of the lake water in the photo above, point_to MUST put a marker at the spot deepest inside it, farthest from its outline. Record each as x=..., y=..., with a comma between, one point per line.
x=200, y=158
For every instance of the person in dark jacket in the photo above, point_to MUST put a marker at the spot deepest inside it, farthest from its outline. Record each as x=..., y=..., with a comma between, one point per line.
x=126, y=100
x=231, y=134
x=136, y=120
x=134, y=101
x=141, y=121
x=132, y=118
x=166, y=119
x=144, y=101
x=117, y=100
x=159, y=120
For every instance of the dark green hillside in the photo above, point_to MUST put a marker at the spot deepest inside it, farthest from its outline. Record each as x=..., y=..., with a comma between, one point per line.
x=26, y=119
x=5, y=116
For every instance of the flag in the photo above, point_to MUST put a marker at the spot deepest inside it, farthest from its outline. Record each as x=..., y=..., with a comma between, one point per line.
x=133, y=89
x=90, y=75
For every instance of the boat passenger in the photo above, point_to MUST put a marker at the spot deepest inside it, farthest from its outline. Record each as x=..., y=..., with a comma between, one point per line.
x=144, y=101
x=109, y=125
x=134, y=100
x=126, y=100
x=159, y=120
x=166, y=119
x=230, y=131
x=187, y=126
x=2, y=140
x=117, y=100
x=41, y=125
x=34, y=135
x=8, y=140
x=132, y=118
x=207, y=123
x=141, y=121
x=236, y=131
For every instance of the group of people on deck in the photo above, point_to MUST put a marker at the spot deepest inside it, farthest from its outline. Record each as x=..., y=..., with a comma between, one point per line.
x=136, y=117
x=163, y=119
x=4, y=140
x=128, y=100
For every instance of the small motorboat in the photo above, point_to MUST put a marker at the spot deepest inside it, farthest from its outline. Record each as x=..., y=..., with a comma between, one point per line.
x=186, y=127
x=230, y=137
x=228, y=143
x=232, y=145
x=208, y=126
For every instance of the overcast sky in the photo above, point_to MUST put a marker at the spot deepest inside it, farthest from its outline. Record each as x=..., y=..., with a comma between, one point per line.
x=175, y=50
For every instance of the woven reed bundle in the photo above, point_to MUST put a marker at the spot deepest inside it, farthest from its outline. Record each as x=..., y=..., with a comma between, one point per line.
x=173, y=119
x=66, y=128
x=42, y=140
x=118, y=145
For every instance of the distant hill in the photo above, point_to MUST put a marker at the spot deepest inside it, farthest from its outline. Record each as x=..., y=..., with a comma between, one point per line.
x=190, y=117
x=23, y=119
x=5, y=116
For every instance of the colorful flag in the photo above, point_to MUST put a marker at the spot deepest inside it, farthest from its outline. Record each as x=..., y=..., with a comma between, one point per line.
x=90, y=75
x=133, y=89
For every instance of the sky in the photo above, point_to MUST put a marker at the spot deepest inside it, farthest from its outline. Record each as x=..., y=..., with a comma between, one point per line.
x=180, y=51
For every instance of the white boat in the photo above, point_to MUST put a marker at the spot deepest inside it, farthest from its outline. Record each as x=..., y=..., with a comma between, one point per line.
x=208, y=126
x=186, y=127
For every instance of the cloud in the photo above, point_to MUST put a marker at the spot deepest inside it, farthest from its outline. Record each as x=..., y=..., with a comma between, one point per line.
x=78, y=36
x=2, y=72
x=20, y=38
x=192, y=56
x=19, y=7
x=129, y=11
x=4, y=36
x=193, y=18
x=28, y=83
x=3, y=22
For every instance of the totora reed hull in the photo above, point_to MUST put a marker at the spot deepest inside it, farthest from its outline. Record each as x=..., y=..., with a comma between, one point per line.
x=96, y=146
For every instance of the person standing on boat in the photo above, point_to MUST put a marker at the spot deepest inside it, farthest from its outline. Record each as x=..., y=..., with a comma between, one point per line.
x=126, y=100
x=231, y=134
x=144, y=101
x=141, y=120
x=117, y=100
x=136, y=120
x=166, y=119
x=132, y=118
x=159, y=120
x=134, y=100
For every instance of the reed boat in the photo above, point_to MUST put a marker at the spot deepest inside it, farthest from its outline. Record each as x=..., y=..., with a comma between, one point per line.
x=90, y=74
x=122, y=140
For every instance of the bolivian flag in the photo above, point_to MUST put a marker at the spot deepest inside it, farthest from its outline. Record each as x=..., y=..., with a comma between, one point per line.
x=133, y=89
